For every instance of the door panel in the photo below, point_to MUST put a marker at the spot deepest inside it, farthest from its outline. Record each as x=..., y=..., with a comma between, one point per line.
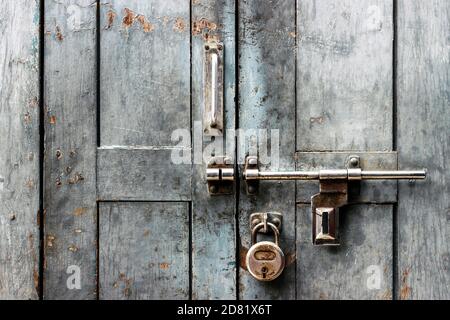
x=351, y=270
x=144, y=250
x=144, y=97
x=142, y=174
x=213, y=218
x=70, y=94
x=144, y=72
x=19, y=149
x=267, y=101
x=345, y=103
x=423, y=122
x=344, y=79
x=335, y=78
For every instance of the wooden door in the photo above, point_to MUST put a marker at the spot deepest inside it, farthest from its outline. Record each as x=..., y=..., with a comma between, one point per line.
x=93, y=95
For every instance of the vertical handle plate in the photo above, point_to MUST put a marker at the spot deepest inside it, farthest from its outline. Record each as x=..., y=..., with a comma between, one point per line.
x=213, y=89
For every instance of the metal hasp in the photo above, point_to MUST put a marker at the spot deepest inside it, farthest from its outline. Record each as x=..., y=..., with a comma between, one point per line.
x=220, y=175
x=333, y=194
x=213, y=89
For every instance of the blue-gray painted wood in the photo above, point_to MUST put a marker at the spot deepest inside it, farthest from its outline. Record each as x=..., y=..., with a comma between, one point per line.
x=360, y=268
x=423, y=125
x=142, y=174
x=144, y=71
x=144, y=251
x=344, y=81
x=345, y=103
x=213, y=218
x=19, y=149
x=144, y=97
x=267, y=101
x=70, y=217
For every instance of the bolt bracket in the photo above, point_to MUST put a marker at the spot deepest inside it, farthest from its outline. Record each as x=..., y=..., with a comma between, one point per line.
x=220, y=176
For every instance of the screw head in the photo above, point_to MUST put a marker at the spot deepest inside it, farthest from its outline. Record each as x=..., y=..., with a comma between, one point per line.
x=213, y=189
x=276, y=222
x=354, y=161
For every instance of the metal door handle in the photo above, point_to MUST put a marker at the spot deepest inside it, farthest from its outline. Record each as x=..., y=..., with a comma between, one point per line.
x=333, y=191
x=213, y=89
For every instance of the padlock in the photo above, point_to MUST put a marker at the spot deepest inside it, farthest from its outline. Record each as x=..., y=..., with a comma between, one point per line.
x=265, y=260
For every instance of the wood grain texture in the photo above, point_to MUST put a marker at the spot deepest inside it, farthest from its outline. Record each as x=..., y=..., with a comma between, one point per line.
x=70, y=147
x=19, y=149
x=267, y=101
x=214, y=259
x=144, y=71
x=344, y=82
x=142, y=174
x=347, y=271
x=144, y=251
x=423, y=106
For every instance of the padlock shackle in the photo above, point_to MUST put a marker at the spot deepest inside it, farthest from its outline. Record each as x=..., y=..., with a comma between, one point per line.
x=260, y=226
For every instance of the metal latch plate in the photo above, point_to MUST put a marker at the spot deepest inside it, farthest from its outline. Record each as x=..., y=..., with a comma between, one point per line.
x=220, y=175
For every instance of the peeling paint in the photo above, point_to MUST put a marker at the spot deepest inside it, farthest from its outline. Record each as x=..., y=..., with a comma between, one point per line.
x=77, y=178
x=73, y=248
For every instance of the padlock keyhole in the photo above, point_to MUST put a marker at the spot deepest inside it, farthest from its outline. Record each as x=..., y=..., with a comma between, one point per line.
x=264, y=272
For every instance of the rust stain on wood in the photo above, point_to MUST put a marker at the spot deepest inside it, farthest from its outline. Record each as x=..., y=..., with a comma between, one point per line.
x=110, y=18
x=405, y=290
x=52, y=119
x=199, y=26
x=164, y=265
x=78, y=212
x=146, y=25
x=59, y=36
x=179, y=25
x=129, y=17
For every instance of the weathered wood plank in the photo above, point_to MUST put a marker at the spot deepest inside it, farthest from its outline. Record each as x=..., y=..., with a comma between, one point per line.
x=144, y=71
x=70, y=148
x=360, y=268
x=213, y=218
x=142, y=174
x=144, y=251
x=267, y=101
x=344, y=82
x=19, y=149
x=423, y=106
x=384, y=191
x=345, y=103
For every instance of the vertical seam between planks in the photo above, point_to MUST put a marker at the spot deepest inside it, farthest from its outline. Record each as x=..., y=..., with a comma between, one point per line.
x=97, y=60
x=236, y=119
x=295, y=147
x=41, y=149
x=190, y=218
x=394, y=145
